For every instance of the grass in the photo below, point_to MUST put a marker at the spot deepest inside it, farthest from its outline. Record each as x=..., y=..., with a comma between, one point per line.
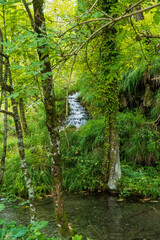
x=139, y=181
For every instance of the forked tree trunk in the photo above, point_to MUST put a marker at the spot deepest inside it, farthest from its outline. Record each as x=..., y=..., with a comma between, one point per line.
x=51, y=116
x=22, y=115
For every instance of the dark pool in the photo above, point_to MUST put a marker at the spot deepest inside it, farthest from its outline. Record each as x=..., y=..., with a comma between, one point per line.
x=98, y=217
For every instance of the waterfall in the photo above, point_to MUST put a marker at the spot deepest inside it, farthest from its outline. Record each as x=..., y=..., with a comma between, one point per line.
x=77, y=115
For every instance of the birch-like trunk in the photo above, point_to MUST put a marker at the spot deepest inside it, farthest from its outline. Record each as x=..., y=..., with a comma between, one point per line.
x=24, y=166
x=114, y=166
x=111, y=163
x=23, y=116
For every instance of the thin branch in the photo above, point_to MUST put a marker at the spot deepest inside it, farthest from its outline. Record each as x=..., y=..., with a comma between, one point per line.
x=4, y=55
x=139, y=40
x=157, y=120
x=149, y=35
x=92, y=6
x=84, y=22
x=29, y=13
x=133, y=6
x=7, y=112
x=105, y=14
x=134, y=13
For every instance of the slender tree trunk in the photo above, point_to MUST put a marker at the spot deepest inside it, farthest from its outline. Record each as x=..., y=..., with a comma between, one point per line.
x=51, y=116
x=24, y=166
x=4, y=141
x=67, y=106
x=23, y=117
x=5, y=115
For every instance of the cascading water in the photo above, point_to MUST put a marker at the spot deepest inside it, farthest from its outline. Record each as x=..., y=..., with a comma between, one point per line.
x=77, y=115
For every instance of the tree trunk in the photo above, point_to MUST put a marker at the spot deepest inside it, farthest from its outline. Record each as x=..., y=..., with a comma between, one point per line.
x=111, y=163
x=51, y=117
x=23, y=117
x=24, y=166
x=114, y=168
x=18, y=127
x=5, y=115
x=67, y=106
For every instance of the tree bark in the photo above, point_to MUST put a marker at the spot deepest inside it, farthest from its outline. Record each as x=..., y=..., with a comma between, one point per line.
x=24, y=166
x=114, y=168
x=23, y=117
x=2, y=167
x=51, y=117
x=111, y=163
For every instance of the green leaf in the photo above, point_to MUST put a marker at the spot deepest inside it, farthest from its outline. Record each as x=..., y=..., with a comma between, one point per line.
x=2, y=2
x=2, y=206
x=2, y=233
x=38, y=225
x=157, y=17
x=77, y=237
x=23, y=203
x=19, y=232
x=11, y=224
x=2, y=221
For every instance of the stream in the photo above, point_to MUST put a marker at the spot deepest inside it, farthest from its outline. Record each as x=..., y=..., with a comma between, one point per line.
x=77, y=114
x=97, y=216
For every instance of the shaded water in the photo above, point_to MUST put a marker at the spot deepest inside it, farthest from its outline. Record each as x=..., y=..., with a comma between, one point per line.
x=77, y=115
x=98, y=217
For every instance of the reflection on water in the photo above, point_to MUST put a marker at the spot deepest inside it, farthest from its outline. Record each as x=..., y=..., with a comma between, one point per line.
x=98, y=217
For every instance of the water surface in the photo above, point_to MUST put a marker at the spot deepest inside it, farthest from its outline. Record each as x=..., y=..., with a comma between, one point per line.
x=98, y=217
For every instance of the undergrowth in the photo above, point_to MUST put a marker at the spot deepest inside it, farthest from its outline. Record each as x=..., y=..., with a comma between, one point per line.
x=139, y=139
x=139, y=181
x=82, y=154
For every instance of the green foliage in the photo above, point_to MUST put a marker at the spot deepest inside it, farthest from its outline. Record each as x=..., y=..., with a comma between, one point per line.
x=37, y=155
x=156, y=106
x=139, y=139
x=2, y=206
x=12, y=231
x=132, y=79
x=82, y=158
x=139, y=181
x=155, y=66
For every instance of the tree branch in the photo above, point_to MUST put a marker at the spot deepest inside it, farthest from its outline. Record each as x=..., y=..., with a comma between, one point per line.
x=29, y=13
x=4, y=55
x=7, y=112
x=149, y=35
x=105, y=14
x=84, y=22
x=133, y=6
x=109, y=23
